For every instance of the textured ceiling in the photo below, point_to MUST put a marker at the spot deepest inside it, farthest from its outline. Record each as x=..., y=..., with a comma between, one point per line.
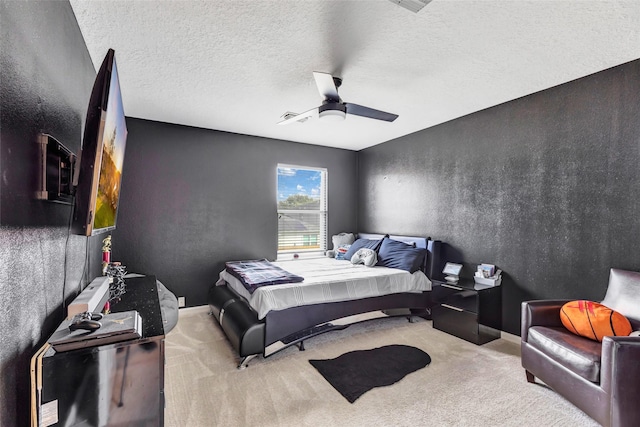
x=238, y=66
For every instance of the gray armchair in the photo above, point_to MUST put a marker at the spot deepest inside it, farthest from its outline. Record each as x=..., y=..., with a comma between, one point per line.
x=602, y=379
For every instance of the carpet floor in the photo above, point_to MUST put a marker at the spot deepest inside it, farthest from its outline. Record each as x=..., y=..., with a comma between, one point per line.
x=465, y=384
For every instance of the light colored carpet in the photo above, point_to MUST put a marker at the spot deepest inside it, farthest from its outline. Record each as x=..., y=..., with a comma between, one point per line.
x=465, y=384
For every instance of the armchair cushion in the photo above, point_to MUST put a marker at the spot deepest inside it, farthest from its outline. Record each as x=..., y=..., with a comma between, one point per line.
x=580, y=355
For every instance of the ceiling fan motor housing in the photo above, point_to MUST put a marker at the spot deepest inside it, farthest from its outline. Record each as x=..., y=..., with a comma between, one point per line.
x=332, y=111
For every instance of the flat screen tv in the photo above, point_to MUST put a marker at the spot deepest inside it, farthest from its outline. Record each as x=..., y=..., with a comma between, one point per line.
x=105, y=136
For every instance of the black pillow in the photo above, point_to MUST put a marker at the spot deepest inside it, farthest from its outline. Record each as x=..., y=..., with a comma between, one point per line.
x=362, y=243
x=394, y=254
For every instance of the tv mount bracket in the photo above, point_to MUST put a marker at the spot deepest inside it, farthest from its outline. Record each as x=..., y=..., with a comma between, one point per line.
x=55, y=169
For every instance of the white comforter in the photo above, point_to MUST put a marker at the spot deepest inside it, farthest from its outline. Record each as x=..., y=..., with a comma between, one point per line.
x=328, y=280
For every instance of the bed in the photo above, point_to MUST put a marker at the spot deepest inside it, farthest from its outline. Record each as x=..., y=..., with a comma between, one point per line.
x=333, y=295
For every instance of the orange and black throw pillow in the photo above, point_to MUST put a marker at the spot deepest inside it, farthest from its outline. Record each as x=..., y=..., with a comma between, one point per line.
x=593, y=320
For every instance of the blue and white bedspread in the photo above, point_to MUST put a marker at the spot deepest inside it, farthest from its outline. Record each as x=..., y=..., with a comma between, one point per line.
x=260, y=272
x=327, y=280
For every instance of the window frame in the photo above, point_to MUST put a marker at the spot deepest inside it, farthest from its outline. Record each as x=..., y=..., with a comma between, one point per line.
x=322, y=212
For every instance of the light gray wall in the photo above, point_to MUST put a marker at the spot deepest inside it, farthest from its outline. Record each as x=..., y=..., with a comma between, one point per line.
x=546, y=187
x=195, y=198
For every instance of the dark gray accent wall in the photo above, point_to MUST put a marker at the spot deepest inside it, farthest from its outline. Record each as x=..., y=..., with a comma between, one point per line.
x=194, y=198
x=546, y=187
x=45, y=81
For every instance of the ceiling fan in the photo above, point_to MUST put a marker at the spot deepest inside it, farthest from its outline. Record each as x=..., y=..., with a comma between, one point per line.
x=332, y=107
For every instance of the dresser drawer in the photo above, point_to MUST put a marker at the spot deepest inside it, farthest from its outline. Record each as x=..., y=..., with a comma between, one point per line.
x=456, y=296
x=455, y=321
x=468, y=311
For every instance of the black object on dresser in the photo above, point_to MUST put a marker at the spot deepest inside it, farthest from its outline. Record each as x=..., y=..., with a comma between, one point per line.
x=115, y=384
x=468, y=310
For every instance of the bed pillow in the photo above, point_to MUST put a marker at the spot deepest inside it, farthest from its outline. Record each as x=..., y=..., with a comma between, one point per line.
x=593, y=320
x=394, y=254
x=362, y=243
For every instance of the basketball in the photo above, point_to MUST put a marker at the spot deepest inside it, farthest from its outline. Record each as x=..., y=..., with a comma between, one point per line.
x=593, y=320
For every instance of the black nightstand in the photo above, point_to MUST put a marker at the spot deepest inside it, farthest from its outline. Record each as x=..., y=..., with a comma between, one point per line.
x=467, y=310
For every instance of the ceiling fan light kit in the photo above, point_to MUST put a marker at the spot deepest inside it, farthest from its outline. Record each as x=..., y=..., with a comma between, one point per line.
x=333, y=111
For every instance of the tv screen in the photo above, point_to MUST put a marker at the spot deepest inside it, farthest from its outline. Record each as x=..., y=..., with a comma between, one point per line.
x=102, y=156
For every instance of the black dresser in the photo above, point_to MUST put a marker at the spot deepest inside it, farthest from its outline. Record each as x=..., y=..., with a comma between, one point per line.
x=468, y=310
x=115, y=384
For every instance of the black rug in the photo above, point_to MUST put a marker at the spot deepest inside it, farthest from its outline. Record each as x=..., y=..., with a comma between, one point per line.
x=355, y=373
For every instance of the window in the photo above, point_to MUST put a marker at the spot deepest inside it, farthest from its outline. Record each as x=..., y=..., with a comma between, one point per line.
x=302, y=209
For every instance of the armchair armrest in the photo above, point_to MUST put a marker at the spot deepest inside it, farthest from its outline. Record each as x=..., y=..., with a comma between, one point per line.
x=540, y=313
x=619, y=378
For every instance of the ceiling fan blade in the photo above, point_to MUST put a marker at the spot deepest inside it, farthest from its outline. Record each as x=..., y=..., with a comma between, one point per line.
x=326, y=85
x=363, y=111
x=299, y=117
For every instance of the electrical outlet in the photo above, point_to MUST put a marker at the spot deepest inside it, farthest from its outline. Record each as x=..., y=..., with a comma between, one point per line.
x=181, y=302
